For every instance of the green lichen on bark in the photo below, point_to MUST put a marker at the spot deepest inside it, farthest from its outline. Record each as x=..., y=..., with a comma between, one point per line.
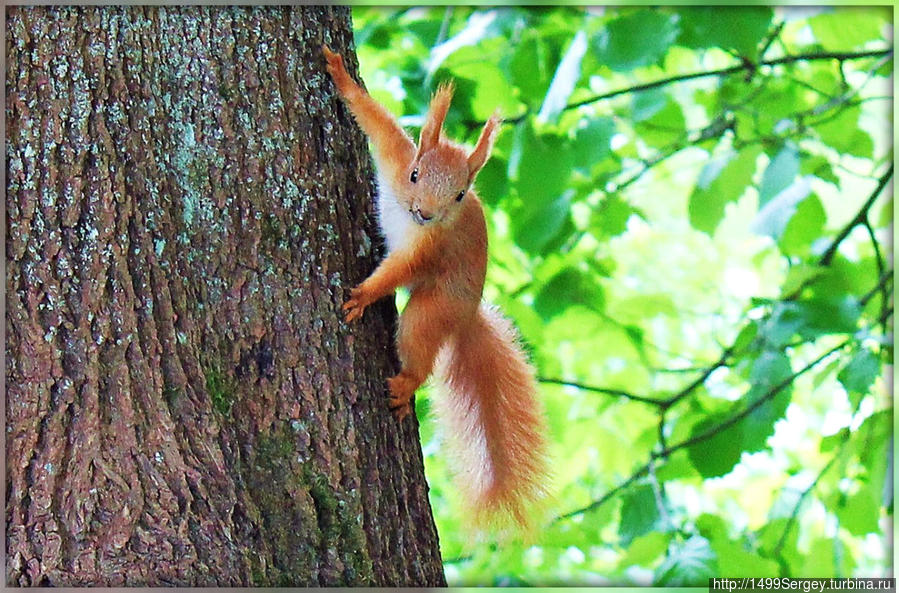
x=305, y=517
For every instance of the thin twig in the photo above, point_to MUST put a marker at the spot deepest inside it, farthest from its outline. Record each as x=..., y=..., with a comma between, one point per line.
x=735, y=69
x=722, y=361
x=828, y=254
x=603, y=390
x=667, y=451
x=795, y=513
x=703, y=436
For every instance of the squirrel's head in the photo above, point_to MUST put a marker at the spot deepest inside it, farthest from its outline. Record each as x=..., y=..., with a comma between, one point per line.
x=442, y=172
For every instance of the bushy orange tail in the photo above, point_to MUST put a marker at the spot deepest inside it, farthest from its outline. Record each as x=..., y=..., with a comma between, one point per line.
x=494, y=422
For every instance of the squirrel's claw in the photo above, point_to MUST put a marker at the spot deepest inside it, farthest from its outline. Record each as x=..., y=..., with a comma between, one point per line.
x=401, y=389
x=356, y=305
x=400, y=411
x=354, y=310
x=334, y=62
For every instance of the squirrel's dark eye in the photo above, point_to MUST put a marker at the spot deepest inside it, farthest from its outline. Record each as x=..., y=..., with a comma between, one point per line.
x=414, y=177
x=460, y=196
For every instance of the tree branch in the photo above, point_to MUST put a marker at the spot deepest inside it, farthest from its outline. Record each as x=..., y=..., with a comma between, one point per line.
x=831, y=251
x=603, y=390
x=750, y=408
x=743, y=66
x=667, y=451
x=795, y=513
x=722, y=361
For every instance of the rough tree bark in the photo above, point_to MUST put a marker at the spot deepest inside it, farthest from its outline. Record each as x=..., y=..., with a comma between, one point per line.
x=187, y=203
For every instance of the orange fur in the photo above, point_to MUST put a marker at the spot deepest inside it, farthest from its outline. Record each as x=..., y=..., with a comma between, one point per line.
x=437, y=240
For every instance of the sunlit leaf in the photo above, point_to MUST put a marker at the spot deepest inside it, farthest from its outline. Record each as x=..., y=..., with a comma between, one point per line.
x=645, y=548
x=805, y=225
x=849, y=26
x=722, y=180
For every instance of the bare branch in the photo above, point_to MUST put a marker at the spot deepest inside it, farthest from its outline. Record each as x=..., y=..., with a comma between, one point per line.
x=743, y=66
x=831, y=251
x=603, y=390
x=607, y=496
x=802, y=496
x=751, y=407
x=667, y=451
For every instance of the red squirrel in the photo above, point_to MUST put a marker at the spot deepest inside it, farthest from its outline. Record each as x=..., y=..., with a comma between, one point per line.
x=436, y=236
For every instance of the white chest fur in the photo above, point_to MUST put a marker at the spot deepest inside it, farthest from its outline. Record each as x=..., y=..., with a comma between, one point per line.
x=396, y=223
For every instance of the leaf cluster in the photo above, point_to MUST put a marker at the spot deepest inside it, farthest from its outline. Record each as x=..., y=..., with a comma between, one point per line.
x=689, y=213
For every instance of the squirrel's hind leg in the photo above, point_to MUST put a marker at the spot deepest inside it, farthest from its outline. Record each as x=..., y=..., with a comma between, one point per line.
x=424, y=326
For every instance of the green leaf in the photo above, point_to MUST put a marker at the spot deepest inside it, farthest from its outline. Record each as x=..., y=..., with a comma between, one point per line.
x=531, y=67
x=735, y=560
x=592, y=141
x=711, y=527
x=689, y=564
x=544, y=167
x=721, y=181
x=746, y=337
x=820, y=167
x=774, y=216
x=640, y=38
x=639, y=513
x=798, y=276
x=644, y=549
x=543, y=171
x=842, y=133
x=647, y=103
x=779, y=174
x=491, y=90
x=667, y=126
x=738, y=28
x=875, y=453
x=826, y=557
x=569, y=287
x=610, y=219
x=859, y=375
x=848, y=27
x=492, y=182
x=783, y=323
x=859, y=512
x=769, y=369
x=718, y=454
x=810, y=318
x=769, y=372
x=829, y=314
x=804, y=227
x=535, y=229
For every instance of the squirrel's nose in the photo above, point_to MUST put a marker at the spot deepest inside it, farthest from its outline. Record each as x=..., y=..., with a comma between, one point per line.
x=421, y=215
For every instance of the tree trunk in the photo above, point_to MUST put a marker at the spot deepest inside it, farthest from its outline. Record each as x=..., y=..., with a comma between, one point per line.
x=188, y=203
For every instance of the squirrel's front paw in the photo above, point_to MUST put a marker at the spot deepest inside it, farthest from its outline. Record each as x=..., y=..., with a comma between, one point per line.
x=335, y=62
x=356, y=305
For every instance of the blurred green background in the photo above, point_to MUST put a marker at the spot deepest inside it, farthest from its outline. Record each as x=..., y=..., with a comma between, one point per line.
x=690, y=216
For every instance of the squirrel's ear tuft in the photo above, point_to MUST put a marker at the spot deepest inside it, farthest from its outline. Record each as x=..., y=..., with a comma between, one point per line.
x=481, y=151
x=430, y=131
